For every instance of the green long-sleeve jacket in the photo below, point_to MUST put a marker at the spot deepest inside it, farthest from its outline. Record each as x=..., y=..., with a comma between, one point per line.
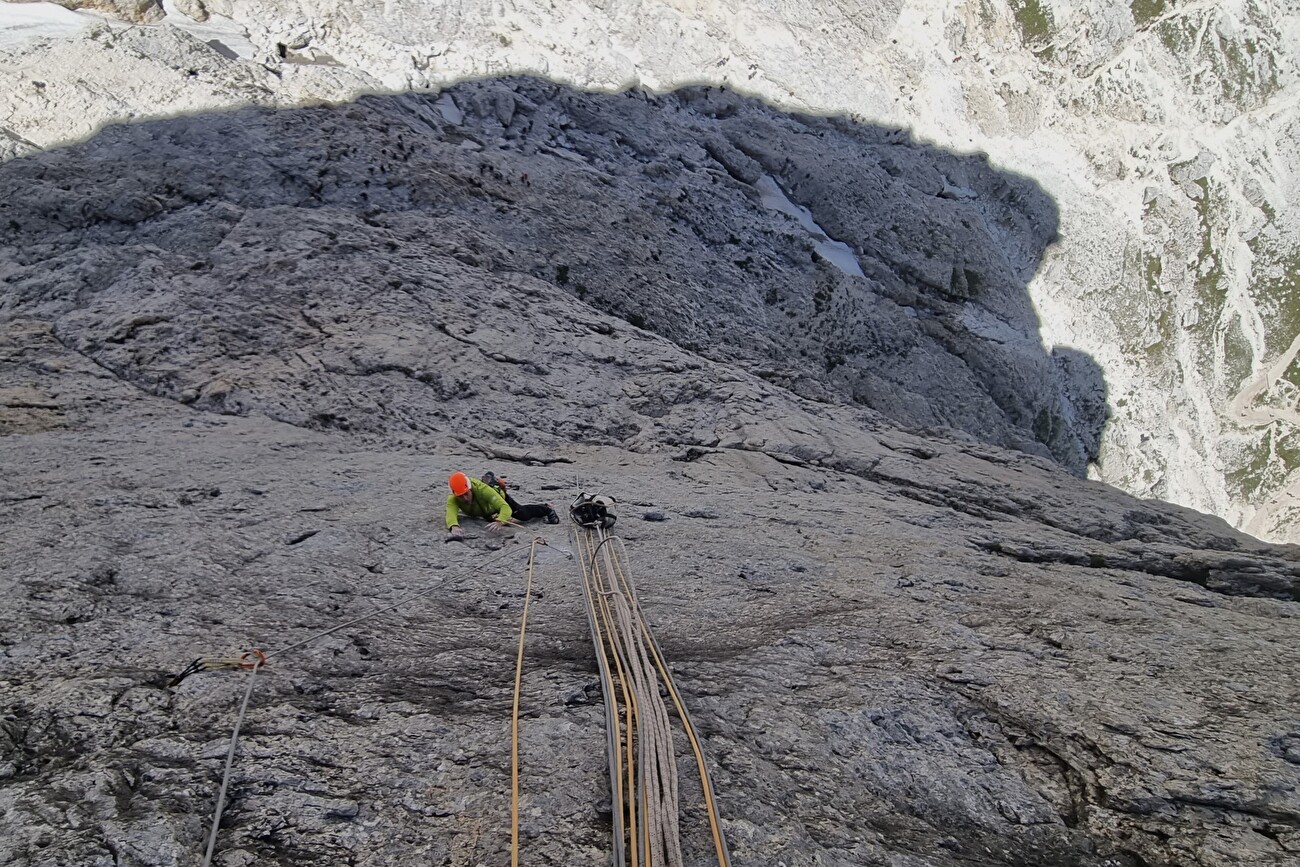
x=487, y=504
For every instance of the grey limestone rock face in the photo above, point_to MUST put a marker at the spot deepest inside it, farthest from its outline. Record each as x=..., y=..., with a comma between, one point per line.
x=12, y=145
x=240, y=354
x=133, y=11
x=938, y=332
x=1162, y=133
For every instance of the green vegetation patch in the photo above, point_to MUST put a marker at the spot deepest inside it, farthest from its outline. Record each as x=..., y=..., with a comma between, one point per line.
x=1247, y=77
x=1137, y=307
x=1263, y=465
x=1278, y=295
x=988, y=13
x=1250, y=475
x=1146, y=11
x=1152, y=269
x=1210, y=284
x=1286, y=289
x=1292, y=372
x=1237, y=69
x=1163, y=348
x=1287, y=449
x=1035, y=24
x=1178, y=35
x=1238, y=357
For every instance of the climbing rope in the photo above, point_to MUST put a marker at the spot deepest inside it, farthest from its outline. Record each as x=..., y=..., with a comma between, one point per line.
x=258, y=660
x=715, y=821
x=658, y=781
x=631, y=719
x=644, y=781
x=230, y=761
x=643, y=770
x=514, y=719
x=643, y=788
x=614, y=743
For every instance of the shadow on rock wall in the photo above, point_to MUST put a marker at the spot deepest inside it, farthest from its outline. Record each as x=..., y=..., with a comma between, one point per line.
x=197, y=257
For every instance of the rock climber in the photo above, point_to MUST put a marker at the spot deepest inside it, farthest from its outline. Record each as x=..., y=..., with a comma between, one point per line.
x=488, y=499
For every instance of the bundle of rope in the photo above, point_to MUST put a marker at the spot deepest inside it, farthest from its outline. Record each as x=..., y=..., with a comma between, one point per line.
x=643, y=768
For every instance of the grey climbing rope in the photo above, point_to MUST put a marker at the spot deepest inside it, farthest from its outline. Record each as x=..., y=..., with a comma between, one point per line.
x=230, y=761
x=261, y=659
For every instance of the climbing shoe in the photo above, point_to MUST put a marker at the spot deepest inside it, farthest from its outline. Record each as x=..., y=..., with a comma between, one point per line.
x=551, y=517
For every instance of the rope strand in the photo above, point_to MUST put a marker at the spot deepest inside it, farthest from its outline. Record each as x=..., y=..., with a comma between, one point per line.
x=230, y=761
x=248, y=694
x=650, y=768
x=514, y=719
x=614, y=745
x=715, y=822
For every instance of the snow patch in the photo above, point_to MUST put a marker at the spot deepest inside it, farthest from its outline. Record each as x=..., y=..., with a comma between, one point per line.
x=21, y=23
x=449, y=110
x=24, y=23
x=837, y=253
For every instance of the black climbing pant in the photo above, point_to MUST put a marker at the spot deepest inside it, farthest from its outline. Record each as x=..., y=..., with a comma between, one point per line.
x=527, y=513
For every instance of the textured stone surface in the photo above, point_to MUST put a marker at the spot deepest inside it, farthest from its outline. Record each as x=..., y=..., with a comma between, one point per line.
x=133, y=11
x=553, y=200
x=231, y=391
x=1165, y=134
x=951, y=654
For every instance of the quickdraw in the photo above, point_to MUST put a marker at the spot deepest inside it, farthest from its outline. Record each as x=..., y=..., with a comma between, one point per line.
x=252, y=659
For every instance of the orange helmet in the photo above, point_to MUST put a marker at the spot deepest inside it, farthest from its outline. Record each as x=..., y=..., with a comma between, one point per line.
x=459, y=483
